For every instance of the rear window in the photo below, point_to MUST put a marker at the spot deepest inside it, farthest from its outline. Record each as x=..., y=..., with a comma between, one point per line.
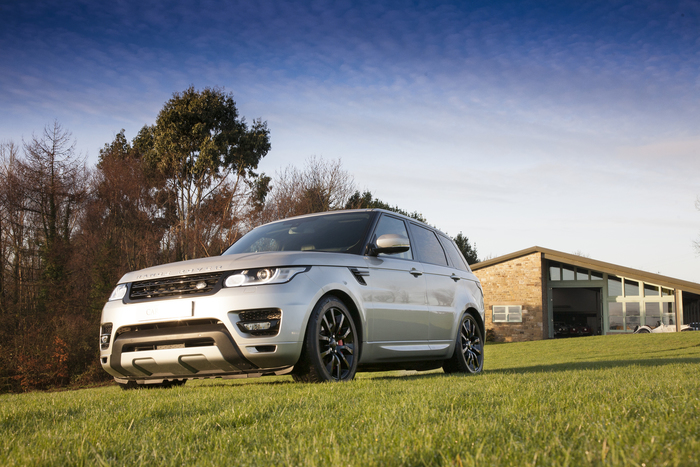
x=454, y=254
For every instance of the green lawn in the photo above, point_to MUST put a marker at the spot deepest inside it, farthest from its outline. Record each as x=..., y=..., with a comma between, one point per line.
x=609, y=400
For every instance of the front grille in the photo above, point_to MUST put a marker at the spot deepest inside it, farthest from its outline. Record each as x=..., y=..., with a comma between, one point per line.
x=199, y=284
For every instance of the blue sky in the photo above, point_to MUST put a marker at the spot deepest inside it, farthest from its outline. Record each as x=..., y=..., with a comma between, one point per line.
x=569, y=125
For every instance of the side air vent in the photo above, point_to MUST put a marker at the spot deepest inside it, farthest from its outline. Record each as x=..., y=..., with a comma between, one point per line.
x=360, y=274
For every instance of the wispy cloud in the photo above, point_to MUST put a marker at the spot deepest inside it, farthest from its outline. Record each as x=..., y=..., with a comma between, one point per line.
x=474, y=108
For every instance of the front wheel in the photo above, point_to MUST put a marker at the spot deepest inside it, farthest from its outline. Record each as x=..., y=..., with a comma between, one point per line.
x=330, y=346
x=468, y=356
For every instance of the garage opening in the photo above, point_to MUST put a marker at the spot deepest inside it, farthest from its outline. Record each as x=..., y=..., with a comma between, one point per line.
x=577, y=311
x=691, y=309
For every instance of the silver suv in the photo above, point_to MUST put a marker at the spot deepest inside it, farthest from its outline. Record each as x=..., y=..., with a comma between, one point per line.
x=319, y=296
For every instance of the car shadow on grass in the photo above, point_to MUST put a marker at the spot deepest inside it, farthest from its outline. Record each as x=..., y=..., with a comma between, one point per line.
x=597, y=365
x=242, y=382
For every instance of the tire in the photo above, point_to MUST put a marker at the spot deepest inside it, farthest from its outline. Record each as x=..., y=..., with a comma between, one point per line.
x=643, y=331
x=330, y=345
x=468, y=356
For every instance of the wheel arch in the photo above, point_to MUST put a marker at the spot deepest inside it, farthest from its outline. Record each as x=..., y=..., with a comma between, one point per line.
x=477, y=316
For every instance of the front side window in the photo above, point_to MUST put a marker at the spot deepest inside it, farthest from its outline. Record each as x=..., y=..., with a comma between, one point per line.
x=395, y=226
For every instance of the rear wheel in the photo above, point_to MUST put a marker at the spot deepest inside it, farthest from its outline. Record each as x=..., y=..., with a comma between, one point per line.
x=468, y=356
x=330, y=345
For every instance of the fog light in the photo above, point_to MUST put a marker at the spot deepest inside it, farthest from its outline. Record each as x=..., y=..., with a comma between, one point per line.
x=105, y=335
x=264, y=326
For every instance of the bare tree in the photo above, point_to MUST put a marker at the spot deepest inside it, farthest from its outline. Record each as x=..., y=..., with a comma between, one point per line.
x=19, y=264
x=320, y=186
x=53, y=182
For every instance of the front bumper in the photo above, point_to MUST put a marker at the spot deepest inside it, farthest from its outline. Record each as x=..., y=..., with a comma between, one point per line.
x=193, y=336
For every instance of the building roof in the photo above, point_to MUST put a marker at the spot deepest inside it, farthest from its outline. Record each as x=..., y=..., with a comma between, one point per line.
x=600, y=266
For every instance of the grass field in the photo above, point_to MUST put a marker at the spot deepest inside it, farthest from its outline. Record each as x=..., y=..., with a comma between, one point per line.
x=608, y=400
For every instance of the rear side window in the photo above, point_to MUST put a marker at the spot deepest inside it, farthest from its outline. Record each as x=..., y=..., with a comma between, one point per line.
x=454, y=254
x=427, y=246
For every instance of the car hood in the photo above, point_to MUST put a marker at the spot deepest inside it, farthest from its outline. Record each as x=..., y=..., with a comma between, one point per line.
x=245, y=261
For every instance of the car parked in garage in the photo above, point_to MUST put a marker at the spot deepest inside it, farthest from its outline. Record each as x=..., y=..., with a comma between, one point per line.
x=321, y=296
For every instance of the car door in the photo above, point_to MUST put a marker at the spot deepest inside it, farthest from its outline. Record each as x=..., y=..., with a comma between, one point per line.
x=441, y=286
x=397, y=313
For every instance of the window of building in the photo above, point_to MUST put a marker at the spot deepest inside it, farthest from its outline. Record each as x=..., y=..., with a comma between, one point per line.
x=632, y=303
x=632, y=314
x=567, y=272
x=651, y=290
x=554, y=271
x=614, y=286
x=631, y=288
x=653, y=314
x=616, y=319
x=507, y=314
x=667, y=315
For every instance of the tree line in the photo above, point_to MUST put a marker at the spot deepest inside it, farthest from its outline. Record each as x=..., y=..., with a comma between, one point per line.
x=182, y=188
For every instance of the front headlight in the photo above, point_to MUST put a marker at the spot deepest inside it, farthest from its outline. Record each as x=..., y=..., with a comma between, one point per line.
x=262, y=276
x=118, y=293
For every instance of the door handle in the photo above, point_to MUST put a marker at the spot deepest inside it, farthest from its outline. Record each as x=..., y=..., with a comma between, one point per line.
x=455, y=277
x=416, y=272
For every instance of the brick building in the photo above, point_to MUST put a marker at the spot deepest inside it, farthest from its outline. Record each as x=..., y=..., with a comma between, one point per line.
x=527, y=292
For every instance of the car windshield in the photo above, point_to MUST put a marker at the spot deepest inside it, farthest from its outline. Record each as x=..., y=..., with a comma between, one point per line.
x=342, y=232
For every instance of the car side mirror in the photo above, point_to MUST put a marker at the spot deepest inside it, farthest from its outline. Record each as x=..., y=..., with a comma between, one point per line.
x=390, y=244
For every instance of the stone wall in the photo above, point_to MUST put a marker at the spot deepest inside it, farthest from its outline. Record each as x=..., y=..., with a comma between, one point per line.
x=515, y=282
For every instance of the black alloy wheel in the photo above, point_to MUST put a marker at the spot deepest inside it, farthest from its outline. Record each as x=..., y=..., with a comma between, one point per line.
x=468, y=356
x=330, y=346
